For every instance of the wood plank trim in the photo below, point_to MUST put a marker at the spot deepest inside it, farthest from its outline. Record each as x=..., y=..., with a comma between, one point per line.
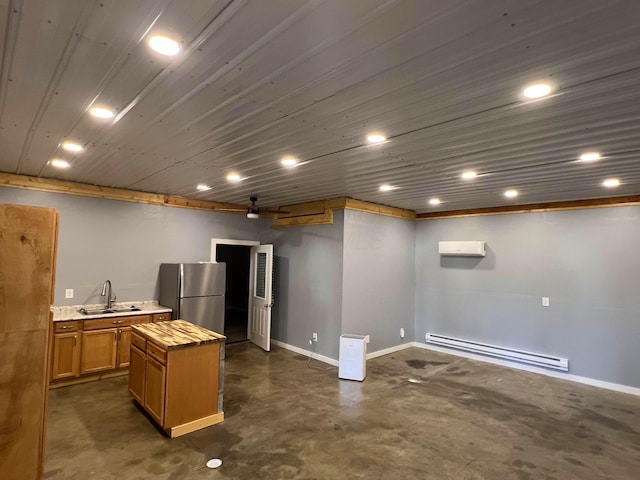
x=108, y=193
x=325, y=218
x=360, y=206
x=298, y=211
x=535, y=207
x=195, y=425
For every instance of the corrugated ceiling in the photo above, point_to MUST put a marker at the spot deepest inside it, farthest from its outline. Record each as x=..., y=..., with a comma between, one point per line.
x=257, y=80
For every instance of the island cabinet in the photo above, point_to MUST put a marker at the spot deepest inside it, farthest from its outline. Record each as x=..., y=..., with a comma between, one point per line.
x=176, y=374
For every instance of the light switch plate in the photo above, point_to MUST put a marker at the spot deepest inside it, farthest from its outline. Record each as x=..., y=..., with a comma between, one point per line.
x=545, y=301
x=68, y=293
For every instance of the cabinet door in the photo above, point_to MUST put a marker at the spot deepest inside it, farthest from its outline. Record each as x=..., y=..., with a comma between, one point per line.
x=99, y=350
x=137, y=375
x=66, y=355
x=124, y=346
x=154, y=389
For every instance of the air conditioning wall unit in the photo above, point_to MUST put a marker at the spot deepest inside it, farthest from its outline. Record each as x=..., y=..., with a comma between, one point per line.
x=462, y=249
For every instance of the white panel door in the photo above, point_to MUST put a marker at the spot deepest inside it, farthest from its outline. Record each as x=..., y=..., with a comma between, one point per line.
x=261, y=301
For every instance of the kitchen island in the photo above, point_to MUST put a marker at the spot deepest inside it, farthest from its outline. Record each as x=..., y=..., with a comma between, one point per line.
x=176, y=374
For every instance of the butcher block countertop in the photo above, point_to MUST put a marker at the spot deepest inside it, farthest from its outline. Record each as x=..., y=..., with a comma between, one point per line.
x=177, y=334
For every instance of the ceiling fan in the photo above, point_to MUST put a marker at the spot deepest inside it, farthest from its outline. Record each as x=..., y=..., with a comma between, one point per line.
x=253, y=211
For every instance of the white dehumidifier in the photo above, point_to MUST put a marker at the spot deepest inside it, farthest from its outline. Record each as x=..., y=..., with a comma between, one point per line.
x=353, y=357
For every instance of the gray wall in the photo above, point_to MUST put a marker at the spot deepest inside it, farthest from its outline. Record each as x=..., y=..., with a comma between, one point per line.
x=126, y=242
x=378, y=278
x=586, y=261
x=308, y=285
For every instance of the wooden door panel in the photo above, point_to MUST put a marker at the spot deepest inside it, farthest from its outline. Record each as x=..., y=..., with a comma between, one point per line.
x=99, y=350
x=154, y=389
x=137, y=369
x=124, y=346
x=66, y=355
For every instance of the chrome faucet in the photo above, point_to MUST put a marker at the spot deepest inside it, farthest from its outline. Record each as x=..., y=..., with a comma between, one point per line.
x=106, y=290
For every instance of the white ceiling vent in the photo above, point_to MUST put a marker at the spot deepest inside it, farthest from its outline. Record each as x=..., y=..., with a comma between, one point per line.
x=462, y=249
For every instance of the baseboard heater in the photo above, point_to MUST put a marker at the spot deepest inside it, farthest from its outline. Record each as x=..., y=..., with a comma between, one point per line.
x=521, y=356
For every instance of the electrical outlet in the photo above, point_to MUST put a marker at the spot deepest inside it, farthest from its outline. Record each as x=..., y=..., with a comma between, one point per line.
x=402, y=333
x=315, y=337
x=545, y=301
x=68, y=293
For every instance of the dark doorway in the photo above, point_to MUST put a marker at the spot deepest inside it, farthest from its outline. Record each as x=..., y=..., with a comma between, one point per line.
x=236, y=315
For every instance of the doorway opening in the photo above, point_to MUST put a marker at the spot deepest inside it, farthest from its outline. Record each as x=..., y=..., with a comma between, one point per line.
x=254, y=274
x=236, y=314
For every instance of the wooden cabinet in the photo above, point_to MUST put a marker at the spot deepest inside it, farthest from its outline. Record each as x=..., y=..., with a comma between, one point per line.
x=124, y=346
x=66, y=358
x=178, y=383
x=99, y=350
x=161, y=317
x=154, y=389
x=85, y=350
x=137, y=371
x=28, y=237
x=65, y=350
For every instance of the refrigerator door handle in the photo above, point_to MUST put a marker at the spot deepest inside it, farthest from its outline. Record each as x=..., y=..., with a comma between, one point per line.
x=181, y=281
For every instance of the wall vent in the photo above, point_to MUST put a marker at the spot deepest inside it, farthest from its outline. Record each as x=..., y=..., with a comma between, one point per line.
x=521, y=356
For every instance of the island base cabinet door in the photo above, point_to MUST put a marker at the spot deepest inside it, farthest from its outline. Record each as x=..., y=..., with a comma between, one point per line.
x=66, y=359
x=154, y=389
x=124, y=345
x=99, y=350
x=137, y=375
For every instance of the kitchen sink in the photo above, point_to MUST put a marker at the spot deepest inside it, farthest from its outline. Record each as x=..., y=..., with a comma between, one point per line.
x=101, y=311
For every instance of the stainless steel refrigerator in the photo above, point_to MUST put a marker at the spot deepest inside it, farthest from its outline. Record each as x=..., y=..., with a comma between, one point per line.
x=195, y=292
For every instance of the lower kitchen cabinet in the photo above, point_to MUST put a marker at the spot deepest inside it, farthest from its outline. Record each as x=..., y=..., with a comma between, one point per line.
x=154, y=389
x=124, y=346
x=90, y=349
x=99, y=350
x=137, y=370
x=66, y=355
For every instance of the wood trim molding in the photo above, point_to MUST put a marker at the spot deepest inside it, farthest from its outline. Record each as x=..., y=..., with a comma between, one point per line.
x=309, y=213
x=360, y=206
x=325, y=218
x=109, y=193
x=535, y=207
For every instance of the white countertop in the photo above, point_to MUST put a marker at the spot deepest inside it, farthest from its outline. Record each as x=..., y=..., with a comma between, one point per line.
x=70, y=312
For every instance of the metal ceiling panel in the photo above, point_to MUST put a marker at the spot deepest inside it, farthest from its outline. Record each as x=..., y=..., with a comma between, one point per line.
x=257, y=80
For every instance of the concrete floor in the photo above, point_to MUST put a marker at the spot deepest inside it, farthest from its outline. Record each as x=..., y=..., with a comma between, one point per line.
x=418, y=415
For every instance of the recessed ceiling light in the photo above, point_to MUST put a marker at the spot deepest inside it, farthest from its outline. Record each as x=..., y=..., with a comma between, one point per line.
x=203, y=188
x=434, y=201
x=59, y=163
x=611, y=182
x=289, y=162
x=589, y=157
x=386, y=187
x=72, y=147
x=376, y=138
x=511, y=193
x=469, y=174
x=164, y=45
x=101, y=112
x=537, y=90
x=234, y=177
